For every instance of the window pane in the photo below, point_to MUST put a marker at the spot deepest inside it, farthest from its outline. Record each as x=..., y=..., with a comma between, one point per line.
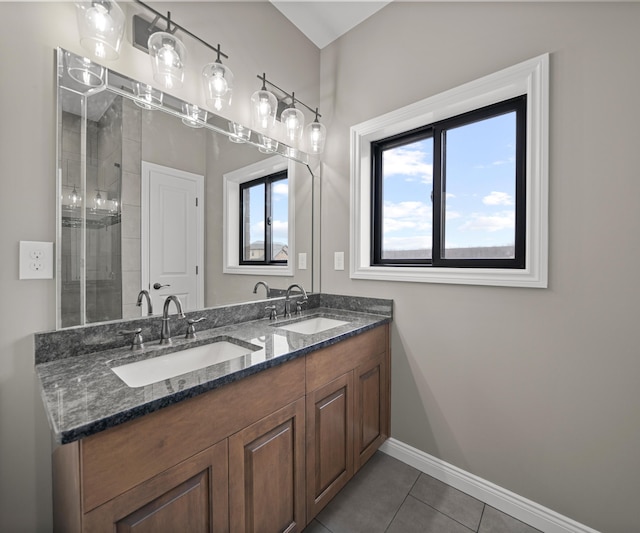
x=407, y=173
x=279, y=220
x=480, y=189
x=253, y=223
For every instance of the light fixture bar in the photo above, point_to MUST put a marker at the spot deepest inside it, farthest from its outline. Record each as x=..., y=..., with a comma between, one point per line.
x=294, y=100
x=143, y=28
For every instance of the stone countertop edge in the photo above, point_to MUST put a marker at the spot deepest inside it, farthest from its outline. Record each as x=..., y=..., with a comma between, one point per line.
x=77, y=407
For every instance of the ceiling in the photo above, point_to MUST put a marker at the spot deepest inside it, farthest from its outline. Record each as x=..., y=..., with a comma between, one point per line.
x=323, y=22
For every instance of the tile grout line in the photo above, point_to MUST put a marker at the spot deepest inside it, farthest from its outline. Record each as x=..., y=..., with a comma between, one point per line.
x=404, y=500
x=445, y=514
x=484, y=507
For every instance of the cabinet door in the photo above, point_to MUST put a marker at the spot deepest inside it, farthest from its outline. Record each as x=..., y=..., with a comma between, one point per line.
x=266, y=473
x=329, y=442
x=191, y=496
x=371, y=411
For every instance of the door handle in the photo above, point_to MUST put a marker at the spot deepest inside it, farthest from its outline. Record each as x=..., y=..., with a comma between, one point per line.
x=157, y=286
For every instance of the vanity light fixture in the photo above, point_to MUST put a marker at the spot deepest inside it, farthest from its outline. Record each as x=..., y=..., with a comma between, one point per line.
x=195, y=116
x=240, y=133
x=147, y=97
x=97, y=201
x=84, y=71
x=264, y=107
x=218, y=82
x=101, y=27
x=168, y=58
x=315, y=134
x=293, y=121
x=75, y=197
x=267, y=144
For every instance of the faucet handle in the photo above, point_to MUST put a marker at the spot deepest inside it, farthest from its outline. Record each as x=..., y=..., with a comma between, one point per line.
x=299, y=304
x=136, y=338
x=272, y=312
x=191, y=330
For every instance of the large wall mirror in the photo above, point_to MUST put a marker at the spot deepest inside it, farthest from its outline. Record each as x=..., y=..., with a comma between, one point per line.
x=150, y=197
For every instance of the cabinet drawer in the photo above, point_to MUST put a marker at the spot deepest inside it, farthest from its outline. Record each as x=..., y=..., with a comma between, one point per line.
x=329, y=363
x=120, y=458
x=191, y=496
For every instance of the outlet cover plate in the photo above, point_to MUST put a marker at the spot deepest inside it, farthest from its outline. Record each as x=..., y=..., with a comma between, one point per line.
x=36, y=260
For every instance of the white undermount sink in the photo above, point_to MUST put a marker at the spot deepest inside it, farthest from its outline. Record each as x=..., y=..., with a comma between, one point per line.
x=173, y=364
x=316, y=324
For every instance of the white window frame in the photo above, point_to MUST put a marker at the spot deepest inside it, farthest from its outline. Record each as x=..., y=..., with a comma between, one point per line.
x=529, y=77
x=231, y=209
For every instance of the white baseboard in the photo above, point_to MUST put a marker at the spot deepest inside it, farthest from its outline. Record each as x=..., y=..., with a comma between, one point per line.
x=525, y=510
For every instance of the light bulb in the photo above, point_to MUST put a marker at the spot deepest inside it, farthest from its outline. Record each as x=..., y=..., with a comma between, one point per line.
x=264, y=106
x=293, y=121
x=99, y=16
x=315, y=136
x=168, y=58
x=218, y=84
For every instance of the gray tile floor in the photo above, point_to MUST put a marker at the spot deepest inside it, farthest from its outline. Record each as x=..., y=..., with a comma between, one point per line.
x=389, y=496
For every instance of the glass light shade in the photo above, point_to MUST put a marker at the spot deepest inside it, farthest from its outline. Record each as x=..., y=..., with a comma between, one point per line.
x=268, y=145
x=264, y=107
x=83, y=70
x=315, y=134
x=97, y=201
x=168, y=57
x=218, y=85
x=147, y=97
x=72, y=199
x=293, y=121
x=240, y=133
x=101, y=27
x=195, y=116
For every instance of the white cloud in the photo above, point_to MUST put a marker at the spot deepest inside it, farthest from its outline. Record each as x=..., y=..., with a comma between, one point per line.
x=279, y=229
x=498, y=198
x=280, y=188
x=495, y=222
x=408, y=163
x=412, y=216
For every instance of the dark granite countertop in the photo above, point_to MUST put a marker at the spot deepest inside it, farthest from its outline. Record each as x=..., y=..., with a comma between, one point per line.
x=83, y=396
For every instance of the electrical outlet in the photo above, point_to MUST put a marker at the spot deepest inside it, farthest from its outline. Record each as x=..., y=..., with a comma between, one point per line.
x=338, y=261
x=36, y=260
x=302, y=261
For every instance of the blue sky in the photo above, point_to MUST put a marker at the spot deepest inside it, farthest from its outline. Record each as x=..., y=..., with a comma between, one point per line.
x=480, y=188
x=280, y=213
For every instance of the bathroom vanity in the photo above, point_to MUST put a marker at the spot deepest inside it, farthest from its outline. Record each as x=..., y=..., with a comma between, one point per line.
x=261, y=442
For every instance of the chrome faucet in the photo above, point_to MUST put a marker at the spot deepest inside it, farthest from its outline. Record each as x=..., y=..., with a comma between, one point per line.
x=165, y=332
x=255, y=288
x=145, y=294
x=287, y=301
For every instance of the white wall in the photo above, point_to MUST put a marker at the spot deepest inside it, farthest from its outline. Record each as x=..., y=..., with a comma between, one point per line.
x=255, y=36
x=534, y=390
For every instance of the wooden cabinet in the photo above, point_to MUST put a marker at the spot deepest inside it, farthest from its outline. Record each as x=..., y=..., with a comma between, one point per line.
x=347, y=412
x=329, y=441
x=371, y=410
x=264, y=454
x=266, y=472
x=191, y=496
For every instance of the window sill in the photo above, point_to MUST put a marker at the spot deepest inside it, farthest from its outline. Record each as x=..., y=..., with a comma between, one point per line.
x=464, y=276
x=259, y=270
